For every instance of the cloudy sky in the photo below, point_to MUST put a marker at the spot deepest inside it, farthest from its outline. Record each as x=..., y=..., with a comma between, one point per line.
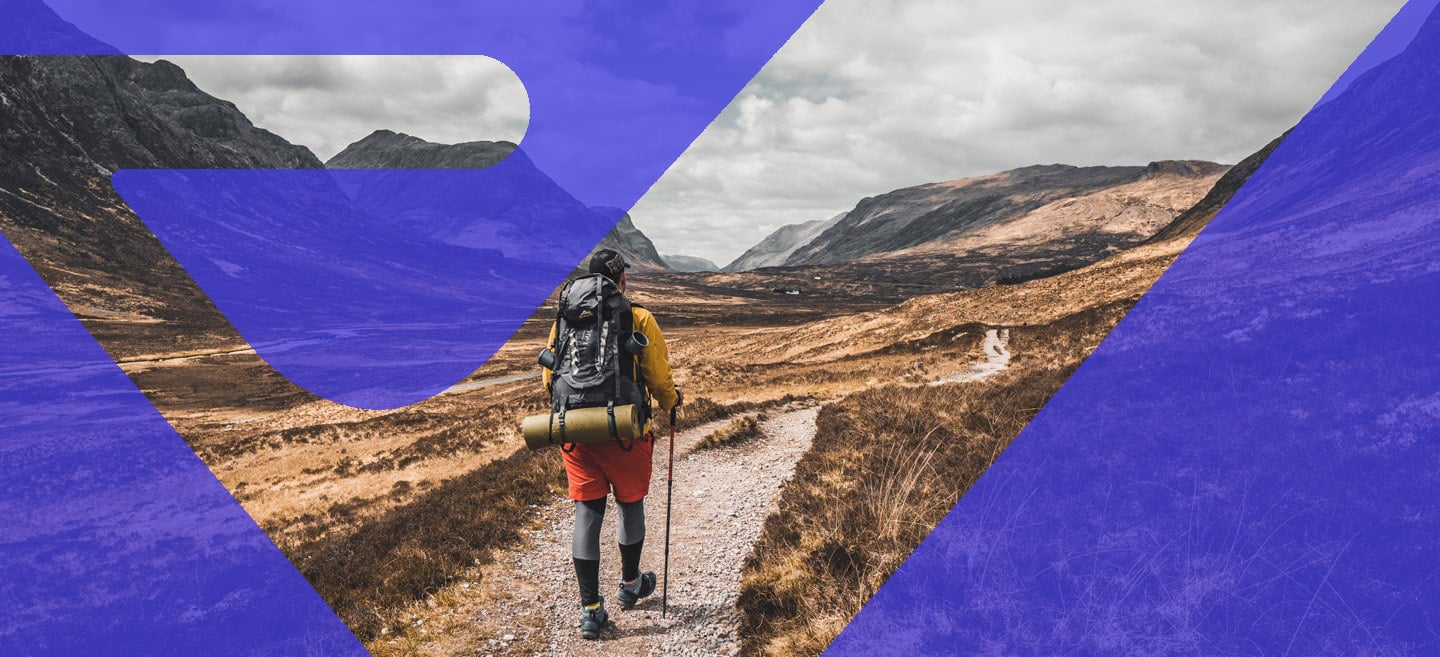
x=873, y=95
x=328, y=103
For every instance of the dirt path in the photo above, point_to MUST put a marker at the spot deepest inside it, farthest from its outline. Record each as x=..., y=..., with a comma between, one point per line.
x=485, y=383
x=997, y=358
x=527, y=604
x=722, y=497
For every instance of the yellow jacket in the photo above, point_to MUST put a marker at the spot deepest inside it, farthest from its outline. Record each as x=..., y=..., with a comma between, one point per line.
x=653, y=363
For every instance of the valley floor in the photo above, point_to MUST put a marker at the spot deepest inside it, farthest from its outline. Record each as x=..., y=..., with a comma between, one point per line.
x=432, y=531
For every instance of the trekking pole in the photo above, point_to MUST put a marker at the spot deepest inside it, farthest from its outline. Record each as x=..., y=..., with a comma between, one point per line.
x=669, y=493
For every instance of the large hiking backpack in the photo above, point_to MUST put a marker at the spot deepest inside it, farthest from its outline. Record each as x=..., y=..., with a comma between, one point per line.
x=593, y=367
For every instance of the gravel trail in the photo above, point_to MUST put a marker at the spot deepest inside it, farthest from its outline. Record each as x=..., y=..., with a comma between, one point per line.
x=722, y=497
x=997, y=359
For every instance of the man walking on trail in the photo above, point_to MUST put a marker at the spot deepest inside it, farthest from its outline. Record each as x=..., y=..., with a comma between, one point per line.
x=595, y=470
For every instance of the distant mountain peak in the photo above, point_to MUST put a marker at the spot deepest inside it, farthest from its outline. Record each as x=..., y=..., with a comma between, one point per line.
x=382, y=135
x=387, y=149
x=689, y=263
x=778, y=245
x=632, y=242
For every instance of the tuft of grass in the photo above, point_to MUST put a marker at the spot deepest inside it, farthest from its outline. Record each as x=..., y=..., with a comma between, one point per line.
x=739, y=430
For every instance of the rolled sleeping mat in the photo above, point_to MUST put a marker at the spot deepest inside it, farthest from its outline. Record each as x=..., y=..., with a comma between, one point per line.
x=582, y=425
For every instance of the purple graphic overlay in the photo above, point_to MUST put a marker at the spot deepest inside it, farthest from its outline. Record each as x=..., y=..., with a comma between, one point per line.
x=117, y=540
x=1389, y=43
x=376, y=288
x=1248, y=465
x=363, y=311
x=379, y=301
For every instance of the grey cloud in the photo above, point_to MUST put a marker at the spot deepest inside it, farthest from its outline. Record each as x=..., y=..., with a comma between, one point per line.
x=873, y=95
x=327, y=103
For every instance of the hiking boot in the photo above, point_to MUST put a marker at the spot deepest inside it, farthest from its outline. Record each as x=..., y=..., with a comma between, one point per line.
x=631, y=593
x=593, y=620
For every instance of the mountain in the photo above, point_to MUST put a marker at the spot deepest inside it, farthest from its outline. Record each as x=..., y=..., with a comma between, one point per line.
x=1003, y=228
x=71, y=121
x=385, y=149
x=1129, y=203
x=689, y=263
x=77, y=113
x=777, y=247
x=66, y=123
x=639, y=251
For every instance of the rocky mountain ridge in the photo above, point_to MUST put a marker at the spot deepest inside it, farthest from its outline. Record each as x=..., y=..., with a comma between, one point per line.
x=66, y=124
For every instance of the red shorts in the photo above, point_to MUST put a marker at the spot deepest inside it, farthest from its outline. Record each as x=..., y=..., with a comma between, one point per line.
x=594, y=469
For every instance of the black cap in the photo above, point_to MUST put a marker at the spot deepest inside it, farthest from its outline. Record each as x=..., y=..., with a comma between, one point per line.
x=608, y=262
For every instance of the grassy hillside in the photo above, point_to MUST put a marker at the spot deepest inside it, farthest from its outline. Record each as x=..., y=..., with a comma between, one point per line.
x=888, y=463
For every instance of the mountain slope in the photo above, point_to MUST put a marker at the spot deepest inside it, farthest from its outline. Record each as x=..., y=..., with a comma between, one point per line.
x=68, y=123
x=777, y=247
x=923, y=214
x=1191, y=221
x=385, y=149
x=1004, y=228
x=638, y=249
x=686, y=263
x=1107, y=220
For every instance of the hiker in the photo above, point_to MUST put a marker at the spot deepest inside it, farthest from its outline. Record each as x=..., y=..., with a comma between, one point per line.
x=596, y=470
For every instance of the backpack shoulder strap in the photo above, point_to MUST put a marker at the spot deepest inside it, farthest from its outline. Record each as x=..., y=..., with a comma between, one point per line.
x=562, y=340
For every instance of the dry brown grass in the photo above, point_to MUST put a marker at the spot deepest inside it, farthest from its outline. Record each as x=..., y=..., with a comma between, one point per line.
x=887, y=464
x=382, y=509
x=369, y=575
x=738, y=431
x=705, y=410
